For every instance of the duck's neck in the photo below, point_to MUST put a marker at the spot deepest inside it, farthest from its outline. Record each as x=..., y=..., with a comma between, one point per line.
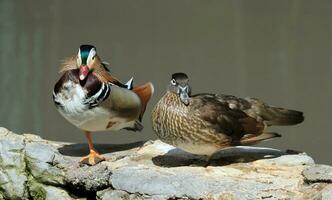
x=91, y=83
x=170, y=98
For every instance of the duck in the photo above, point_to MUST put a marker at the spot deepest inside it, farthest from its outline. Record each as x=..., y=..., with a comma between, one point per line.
x=206, y=123
x=92, y=99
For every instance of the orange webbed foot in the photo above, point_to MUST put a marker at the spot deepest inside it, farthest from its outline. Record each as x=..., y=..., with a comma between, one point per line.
x=92, y=159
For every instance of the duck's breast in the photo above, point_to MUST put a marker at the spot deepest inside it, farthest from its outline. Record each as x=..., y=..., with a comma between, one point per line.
x=95, y=106
x=170, y=119
x=68, y=94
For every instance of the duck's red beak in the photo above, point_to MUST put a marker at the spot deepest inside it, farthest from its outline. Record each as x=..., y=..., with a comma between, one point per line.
x=84, y=71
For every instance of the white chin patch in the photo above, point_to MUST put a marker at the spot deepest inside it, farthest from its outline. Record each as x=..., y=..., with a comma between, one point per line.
x=82, y=77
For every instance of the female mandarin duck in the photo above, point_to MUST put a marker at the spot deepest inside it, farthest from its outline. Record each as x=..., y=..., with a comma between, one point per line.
x=89, y=97
x=205, y=123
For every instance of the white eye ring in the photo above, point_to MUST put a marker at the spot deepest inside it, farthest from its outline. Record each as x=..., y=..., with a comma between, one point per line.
x=91, y=55
x=173, y=82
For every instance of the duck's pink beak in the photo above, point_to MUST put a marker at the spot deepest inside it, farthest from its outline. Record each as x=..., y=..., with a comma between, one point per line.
x=84, y=71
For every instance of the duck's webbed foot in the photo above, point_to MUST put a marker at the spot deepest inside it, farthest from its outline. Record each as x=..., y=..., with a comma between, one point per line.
x=92, y=159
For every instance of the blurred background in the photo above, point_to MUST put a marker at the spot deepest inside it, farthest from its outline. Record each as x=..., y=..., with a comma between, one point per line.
x=277, y=51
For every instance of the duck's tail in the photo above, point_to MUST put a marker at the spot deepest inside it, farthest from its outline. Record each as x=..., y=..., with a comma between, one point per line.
x=282, y=116
x=144, y=92
x=275, y=115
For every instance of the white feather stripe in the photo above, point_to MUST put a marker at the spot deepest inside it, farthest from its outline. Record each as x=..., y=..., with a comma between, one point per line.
x=70, y=98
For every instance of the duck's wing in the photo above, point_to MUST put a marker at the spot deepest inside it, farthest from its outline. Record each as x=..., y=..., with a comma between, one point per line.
x=114, y=81
x=144, y=92
x=104, y=75
x=221, y=116
x=130, y=83
x=244, y=118
x=269, y=115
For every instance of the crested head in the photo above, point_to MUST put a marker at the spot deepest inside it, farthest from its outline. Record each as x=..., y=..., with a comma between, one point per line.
x=180, y=86
x=180, y=76
x=87, y=60
x=88, y=63
x=85, y=53
x=179, y=80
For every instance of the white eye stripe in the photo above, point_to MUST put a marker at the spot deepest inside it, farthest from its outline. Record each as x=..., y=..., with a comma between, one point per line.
x=92, y=53
x=173, y=82
x=79, y=59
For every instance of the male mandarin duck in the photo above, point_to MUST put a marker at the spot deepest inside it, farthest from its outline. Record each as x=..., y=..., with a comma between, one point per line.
x=89, y=97
x=206, y=123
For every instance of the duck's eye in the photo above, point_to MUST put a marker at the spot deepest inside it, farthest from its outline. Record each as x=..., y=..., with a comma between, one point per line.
x=93, y=57
x=173, y=82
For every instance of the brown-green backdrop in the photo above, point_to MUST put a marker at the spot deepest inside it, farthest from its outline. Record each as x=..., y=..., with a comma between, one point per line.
x=279, y=51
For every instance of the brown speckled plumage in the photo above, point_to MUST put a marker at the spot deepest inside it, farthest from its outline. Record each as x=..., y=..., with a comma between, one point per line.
x=176, y=122
x=206, y=123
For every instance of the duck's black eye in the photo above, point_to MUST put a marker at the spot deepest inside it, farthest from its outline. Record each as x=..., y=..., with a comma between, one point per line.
x=93, y=57
x=173, y=82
